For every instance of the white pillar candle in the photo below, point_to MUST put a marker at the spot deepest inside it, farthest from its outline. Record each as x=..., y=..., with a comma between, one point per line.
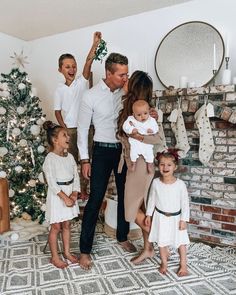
x=226, y=78
x=183, y=82
x=226, y=46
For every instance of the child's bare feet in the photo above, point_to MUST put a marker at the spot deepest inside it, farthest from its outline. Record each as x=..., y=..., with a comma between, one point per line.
x=163, y=268
x=150, y=168
x=182, y=271
x=85, y=261
x=71, y=258
x=142, y=256
x=58, y=263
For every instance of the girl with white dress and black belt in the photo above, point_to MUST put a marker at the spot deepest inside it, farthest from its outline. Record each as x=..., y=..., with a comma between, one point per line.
x=168, y=212
x=62, y=177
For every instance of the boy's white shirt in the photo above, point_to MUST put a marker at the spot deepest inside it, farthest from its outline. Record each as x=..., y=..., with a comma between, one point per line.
x=67, y=99
x=142, y=127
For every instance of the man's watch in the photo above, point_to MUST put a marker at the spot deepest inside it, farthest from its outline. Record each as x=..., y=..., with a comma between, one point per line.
x=84, y=161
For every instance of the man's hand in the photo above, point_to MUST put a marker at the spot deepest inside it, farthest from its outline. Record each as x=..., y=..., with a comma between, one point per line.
x=86, y=170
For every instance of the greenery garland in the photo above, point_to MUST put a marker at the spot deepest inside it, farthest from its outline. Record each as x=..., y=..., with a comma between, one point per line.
x=101, y=50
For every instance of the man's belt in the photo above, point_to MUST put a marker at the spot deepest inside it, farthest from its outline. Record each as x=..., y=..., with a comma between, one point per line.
x=65, y=182
x=169, y=213
x=114, y=145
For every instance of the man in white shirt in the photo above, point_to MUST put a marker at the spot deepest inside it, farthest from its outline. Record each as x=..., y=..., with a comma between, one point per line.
x=102, y=104
x=68, y=95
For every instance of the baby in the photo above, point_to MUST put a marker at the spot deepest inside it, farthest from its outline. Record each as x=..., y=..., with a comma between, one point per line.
x=140, y=122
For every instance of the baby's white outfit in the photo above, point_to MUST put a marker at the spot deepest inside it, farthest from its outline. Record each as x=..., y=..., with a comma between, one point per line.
x=137, y=147
x=168, y=198
x=60, y=169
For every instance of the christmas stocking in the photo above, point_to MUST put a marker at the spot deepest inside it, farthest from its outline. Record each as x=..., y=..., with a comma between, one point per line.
x=161, y=146
x=178, y=127
x=206, y=147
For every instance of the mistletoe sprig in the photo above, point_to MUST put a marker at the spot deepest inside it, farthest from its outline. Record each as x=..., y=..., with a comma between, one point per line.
x=101, y=50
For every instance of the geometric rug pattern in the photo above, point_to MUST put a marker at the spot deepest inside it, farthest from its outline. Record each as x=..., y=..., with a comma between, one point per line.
x=25, y=270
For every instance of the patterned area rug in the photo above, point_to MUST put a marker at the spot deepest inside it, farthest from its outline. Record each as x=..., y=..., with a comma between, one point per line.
x=25, y=270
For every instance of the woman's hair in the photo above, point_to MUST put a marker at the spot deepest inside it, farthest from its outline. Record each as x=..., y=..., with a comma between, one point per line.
x=170, y=153
x=52, y=132
x=140, y=86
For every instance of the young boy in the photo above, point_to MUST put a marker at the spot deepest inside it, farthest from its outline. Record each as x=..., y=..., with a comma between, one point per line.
x=141, y=122
x=68, y=96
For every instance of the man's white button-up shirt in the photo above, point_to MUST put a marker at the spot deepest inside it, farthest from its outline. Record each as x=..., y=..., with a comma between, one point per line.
x=101, y=107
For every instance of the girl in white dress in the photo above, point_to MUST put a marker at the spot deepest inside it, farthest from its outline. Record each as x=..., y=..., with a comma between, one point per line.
x=60, y=170
x=168, y=211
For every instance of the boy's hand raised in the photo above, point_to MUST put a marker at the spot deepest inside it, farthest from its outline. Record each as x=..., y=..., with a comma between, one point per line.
x=97, y=36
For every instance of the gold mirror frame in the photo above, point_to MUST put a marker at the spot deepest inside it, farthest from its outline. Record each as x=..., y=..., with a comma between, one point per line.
x=187, y=51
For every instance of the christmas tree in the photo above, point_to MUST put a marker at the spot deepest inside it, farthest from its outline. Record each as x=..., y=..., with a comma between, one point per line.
x=22, y=145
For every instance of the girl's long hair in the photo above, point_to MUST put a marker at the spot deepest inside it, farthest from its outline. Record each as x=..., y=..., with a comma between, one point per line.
x=140, y=86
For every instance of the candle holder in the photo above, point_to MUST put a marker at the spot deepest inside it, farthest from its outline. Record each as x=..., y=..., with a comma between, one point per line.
x=227, y=62
x=214, y=80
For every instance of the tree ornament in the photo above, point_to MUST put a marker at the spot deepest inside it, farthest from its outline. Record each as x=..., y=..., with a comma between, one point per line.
x=20, y=110
x=3, y=151
x=41, y=149
x=3, y=174
x=11, y=193
x=21, y=86
x=35, y=130
x=16, y=131
x=23, y=142
x=101, y=50
x=39, y=122
x=18, y=169
x=32, y=182
x=2, y=111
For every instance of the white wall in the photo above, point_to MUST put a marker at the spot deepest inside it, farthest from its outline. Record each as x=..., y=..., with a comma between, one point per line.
x=9, y=45
x=135, y=36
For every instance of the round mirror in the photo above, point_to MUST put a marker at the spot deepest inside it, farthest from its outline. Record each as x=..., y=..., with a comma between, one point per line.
x=188, y=54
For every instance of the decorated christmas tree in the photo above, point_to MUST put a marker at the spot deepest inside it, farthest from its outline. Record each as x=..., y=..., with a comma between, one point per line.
x=22, y=145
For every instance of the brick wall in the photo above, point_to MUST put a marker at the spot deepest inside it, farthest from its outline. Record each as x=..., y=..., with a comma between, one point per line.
x=212, y=188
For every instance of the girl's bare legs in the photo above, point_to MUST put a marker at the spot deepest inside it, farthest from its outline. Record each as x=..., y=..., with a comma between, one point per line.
x=66, y=242
x=148, y=250
x=164, y=253
x=52, y=240
x=182, y=271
